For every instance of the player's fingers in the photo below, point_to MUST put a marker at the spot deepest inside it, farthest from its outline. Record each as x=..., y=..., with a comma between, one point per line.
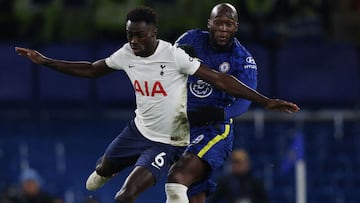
x=20, y=49
x=289, y=109
x=291, y=106
x=286, y=110
x=22, y=52
x=294, y=107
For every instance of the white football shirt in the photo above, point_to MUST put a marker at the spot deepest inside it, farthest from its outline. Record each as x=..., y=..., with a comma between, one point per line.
x=159, y=82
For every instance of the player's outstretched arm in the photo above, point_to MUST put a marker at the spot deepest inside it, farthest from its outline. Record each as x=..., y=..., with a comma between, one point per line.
x=75, y=68
x=233, y=86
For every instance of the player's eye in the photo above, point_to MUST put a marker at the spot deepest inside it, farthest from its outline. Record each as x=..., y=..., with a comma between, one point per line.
x=216, y=23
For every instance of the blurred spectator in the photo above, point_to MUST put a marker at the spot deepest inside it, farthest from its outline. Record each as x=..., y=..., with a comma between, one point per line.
x=273, y=22
x=307, y=19
x=30, y=190
x=346, y=20
x=239, y=186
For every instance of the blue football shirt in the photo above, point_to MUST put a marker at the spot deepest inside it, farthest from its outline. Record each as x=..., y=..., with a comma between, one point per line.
x=236, y=61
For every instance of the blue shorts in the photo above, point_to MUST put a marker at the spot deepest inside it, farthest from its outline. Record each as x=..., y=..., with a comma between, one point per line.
x=213, y=144
x=131, y=148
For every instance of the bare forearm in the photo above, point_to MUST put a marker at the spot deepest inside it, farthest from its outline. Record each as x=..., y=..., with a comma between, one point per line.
x=76, y=68
x=230, y=85
x=234, y=87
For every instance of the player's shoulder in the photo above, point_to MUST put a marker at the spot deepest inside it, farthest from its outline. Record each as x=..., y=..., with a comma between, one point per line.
x=199, y=34
x=166, y=49
x=240, y=49
x=164, y=44
x=191, y=35
x=124, y=50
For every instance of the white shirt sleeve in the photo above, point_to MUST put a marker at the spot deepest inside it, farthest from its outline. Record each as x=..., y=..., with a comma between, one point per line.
x=116, y=59
x=187, y=64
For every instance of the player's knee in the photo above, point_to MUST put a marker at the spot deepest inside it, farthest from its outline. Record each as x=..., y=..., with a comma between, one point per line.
x=126, y=195
x=103, y=168
x=176, y=176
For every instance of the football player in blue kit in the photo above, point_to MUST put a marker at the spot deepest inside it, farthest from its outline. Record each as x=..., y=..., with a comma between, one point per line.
x=210, y=110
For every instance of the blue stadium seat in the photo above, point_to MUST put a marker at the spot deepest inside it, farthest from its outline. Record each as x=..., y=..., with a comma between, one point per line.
x=319, y=73
x=116, y=88
x=329, y=177
x=59, y=88
x=261, y=56
x=16, y=78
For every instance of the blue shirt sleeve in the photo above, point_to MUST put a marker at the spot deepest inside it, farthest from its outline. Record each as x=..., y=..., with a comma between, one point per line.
x=240, y=106
x=186, y=38
x=247, y=73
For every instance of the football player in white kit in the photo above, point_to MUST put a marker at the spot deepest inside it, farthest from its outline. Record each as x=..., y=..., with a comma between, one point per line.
x=158, y=134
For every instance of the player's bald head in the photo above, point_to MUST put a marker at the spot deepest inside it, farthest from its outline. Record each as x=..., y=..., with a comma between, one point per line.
x=224, y=9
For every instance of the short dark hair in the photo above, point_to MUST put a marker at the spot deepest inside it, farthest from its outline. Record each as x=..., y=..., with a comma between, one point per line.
x=142, y=14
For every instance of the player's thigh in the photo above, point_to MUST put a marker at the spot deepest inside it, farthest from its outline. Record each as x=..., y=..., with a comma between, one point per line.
x=210, y=147
x=158, y=158
x=199, y=198
x=138, y=180
x=212, y=144
x=188, y=169
x=125, y=149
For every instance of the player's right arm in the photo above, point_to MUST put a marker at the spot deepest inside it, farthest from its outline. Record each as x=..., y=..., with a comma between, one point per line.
x=75, y=68
x=235, y=87
x=228, y=83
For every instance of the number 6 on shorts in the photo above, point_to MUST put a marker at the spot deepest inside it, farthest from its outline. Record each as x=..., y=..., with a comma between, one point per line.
x=159, y=160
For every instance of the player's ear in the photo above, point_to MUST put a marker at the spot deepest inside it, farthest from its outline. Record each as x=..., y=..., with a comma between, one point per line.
x=154, y=32
x=208, y=24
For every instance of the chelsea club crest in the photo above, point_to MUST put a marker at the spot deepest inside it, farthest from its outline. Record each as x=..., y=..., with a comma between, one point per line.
x=224, y=67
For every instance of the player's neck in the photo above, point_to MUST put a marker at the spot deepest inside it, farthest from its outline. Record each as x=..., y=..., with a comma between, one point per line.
x=153, y=49
x=218, y=48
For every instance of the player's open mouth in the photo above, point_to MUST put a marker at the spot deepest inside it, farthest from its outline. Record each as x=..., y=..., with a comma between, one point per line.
x=222, y=39
x=135, y=49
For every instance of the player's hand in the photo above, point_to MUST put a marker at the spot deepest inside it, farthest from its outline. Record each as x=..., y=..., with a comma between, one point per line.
x=281, y=105
x=33, y=55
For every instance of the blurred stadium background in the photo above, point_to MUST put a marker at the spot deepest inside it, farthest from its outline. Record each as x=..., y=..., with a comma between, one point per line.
x=307, y=51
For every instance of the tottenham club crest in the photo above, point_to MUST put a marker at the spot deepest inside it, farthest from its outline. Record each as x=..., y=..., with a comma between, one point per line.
x=224, y=67
x=201, y=89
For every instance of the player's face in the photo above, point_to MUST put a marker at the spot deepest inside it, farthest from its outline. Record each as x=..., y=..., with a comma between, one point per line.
x=222, y=29
x=142, y=38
